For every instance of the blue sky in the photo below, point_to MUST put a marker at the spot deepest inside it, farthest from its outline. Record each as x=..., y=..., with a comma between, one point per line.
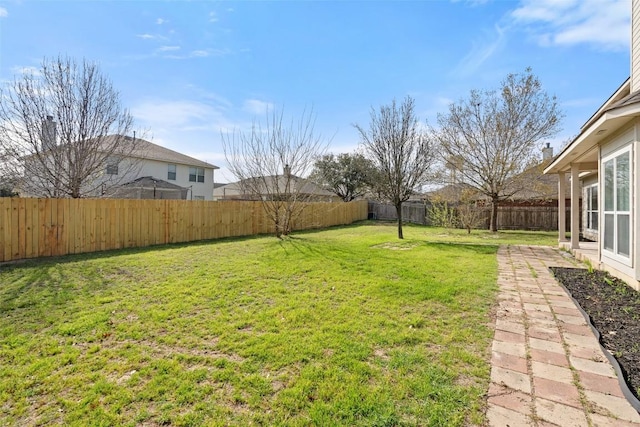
x=189, y=70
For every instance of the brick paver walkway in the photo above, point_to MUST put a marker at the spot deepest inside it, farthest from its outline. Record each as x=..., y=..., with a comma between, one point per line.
x=547, y=366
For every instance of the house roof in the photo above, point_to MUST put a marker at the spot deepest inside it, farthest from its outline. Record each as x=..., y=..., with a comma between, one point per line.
x=620, y=93
x=617, y=111
x=452, y=191
x=539, y=186
x=148, y=150
x=144, y=149
x=531, y=184
x=630, y=99
x=303, y=186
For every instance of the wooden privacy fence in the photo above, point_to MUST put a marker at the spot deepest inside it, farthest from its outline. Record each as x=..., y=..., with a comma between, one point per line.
x=530, y=218
x=31, y=228
x=509, y=217
x=411, y=212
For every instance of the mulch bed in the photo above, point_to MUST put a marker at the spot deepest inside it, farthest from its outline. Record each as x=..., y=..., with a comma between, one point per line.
x=614, y=308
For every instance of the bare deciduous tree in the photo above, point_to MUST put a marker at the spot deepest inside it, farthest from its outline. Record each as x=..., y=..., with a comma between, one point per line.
x=347, y=175
x=493, y=136
x=61, y=129
x=271, y=162
x=402, y=154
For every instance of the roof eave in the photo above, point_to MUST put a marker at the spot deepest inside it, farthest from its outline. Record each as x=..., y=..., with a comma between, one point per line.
x=200, y=163
x=621, y=92
x=609, y=122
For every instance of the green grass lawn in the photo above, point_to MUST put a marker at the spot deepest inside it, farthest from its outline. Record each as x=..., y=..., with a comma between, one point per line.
x=347, y=326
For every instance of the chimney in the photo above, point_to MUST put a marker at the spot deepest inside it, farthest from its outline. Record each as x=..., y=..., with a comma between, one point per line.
x=287, y=171
x=48, y=137
x=635, y=46
x=547, y=152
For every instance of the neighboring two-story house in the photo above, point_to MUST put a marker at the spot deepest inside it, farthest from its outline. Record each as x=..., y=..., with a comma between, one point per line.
x=159, y=172
x=143, y=170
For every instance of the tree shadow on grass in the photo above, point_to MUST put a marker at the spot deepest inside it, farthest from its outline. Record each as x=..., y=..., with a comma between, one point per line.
x=44, y=281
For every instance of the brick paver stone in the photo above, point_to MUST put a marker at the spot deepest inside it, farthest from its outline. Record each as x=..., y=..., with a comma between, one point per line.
x=559, y=414
x=595, y=382
x=510, y=378
x=508, y=361
x=617, y=406
x=551, y=372
x=558, y=359
x=559, y=392
x=498, y=416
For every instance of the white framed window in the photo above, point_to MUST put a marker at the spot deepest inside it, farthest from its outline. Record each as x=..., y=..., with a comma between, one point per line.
x=171, y=172
x=616, y=185
x=592, y=206
x=198, y=197
x=112, y=166
x=196, y=174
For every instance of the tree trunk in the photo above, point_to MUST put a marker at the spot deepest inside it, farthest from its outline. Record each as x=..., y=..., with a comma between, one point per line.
x=494, y=215
x=276, y=222
x=399, y=213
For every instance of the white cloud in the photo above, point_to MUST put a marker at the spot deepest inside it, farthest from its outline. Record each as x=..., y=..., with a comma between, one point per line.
x=542, y=10
x=257, y=107
x=3, y=12
x=200, y=53
x=168, y=48
x=160, y=21
x=213, y=17
x=185, y=116
x=172, y=113
x=27, y=70
x=603, y=24
x=146, y=36
x=481, y=51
